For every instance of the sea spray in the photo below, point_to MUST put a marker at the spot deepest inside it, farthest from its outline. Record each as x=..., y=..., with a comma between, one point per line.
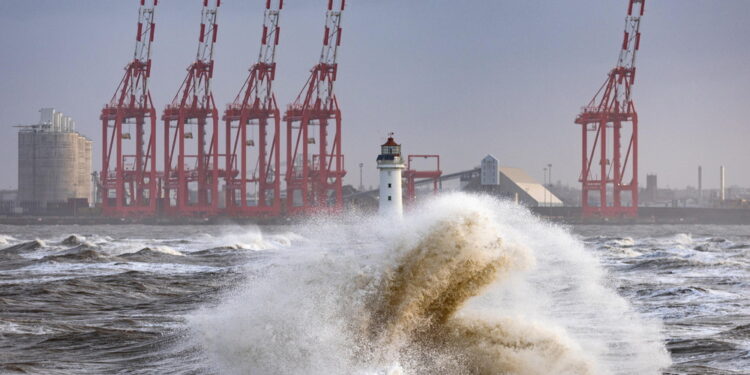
x=383, y=297
x=415, y=308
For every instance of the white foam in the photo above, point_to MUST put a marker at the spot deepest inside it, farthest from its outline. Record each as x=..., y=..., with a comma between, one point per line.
x=55, y=271
x=252, y=238
x=297, y=312
x=6, y=239
x=22, y=328
x=166, y=250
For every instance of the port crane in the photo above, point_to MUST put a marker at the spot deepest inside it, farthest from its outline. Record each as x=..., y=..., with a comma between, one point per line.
x=129, y=161
x=313, y=123
x=191, y=171
x=253, y=129
x=603, y=121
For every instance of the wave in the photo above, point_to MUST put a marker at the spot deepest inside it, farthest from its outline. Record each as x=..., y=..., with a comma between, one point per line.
x=672, y=292
x=667, y=263
x=157, y=251
x=73, y=240
x=684, y=239
x=700, y=346
x=88, y=253
x=415, y=308
x=738, y=332
x=252, y=238
x=82, y=253
x=16, y=255
x=23, y=247
x=463, y=285
x=6, y=239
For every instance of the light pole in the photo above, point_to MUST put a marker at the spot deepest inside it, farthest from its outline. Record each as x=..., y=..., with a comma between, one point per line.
x=549, y=182
x=544, y=185
x=361, y=185
x=550, y=174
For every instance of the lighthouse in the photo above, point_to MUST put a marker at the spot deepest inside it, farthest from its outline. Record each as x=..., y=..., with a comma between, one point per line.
x=390, y=166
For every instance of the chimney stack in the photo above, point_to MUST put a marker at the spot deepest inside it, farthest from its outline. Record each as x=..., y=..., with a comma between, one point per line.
x=721, y=184
x=700, y=183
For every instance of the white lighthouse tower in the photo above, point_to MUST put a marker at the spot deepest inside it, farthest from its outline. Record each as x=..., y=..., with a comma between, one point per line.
x=390, y=166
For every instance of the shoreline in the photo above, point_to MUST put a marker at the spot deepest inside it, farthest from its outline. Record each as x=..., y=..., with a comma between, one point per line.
x=561, y=215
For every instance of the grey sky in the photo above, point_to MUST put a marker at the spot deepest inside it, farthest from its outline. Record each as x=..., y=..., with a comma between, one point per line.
x=458, y=78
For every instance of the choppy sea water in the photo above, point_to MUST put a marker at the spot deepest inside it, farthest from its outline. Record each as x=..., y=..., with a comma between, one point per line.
x=461, y=285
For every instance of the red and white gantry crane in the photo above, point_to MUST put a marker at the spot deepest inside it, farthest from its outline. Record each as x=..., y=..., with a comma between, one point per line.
x=191, y=172
x=253, y=122
x=128, y=176
x=314, y=178
x=606, y=118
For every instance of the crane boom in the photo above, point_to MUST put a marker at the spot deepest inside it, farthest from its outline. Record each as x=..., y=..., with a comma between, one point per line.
x=258, y=85
x=329, y=52
x=632, y=38
x=197, y=86
x=133, y=89
x=142, y=54
x=626, y=62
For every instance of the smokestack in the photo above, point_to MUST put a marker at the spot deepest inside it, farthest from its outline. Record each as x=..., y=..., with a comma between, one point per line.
x=700, y=183
x=721, y=183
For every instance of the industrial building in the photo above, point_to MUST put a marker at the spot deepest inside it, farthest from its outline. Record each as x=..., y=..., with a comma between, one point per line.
x=54, y=164
x=512, y=183
x=517, y=182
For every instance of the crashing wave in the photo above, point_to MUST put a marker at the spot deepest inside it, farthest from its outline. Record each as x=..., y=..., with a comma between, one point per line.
x=464, y=285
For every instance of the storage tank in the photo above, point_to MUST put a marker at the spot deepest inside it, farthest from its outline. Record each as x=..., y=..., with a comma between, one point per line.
x=54, y=163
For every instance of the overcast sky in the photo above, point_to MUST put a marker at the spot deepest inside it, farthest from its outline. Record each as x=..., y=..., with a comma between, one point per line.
x=458, y=78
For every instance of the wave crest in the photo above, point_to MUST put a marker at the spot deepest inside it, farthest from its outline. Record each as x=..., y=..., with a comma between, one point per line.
x=416, y=306
x=368, y=299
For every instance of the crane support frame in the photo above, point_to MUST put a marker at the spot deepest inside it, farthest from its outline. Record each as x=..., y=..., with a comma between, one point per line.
x=411, y=175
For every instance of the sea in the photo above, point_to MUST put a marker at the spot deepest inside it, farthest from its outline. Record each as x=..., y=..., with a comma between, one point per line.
x=462, y=284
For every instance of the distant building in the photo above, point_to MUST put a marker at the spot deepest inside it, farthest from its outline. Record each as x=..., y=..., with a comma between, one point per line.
x=515, y=182
x=54, y=163
x=509, y=183
x=489, y=171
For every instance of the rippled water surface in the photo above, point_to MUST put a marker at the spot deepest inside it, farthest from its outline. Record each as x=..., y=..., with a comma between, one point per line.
x=695, y=278
x=213, y=299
